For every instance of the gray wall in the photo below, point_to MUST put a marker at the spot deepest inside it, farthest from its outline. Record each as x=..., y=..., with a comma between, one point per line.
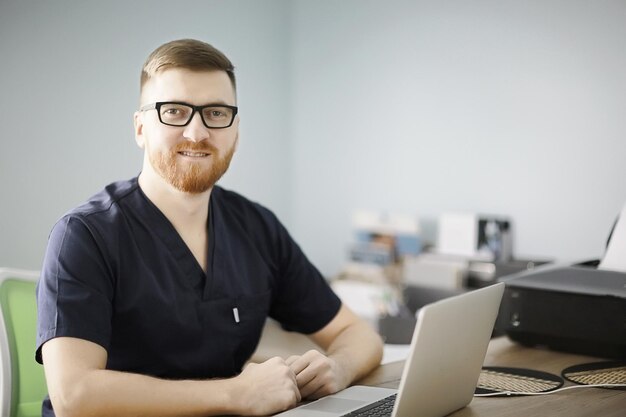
x=504, y=107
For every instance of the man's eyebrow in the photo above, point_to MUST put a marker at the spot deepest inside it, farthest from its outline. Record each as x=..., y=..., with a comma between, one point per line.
x=212, y=103
x=203, y=104
x=219, y=103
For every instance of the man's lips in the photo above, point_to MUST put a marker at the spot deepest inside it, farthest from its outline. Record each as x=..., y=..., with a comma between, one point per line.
x=194, y=154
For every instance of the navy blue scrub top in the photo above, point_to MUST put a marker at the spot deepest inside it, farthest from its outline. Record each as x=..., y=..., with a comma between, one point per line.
x=117, y=273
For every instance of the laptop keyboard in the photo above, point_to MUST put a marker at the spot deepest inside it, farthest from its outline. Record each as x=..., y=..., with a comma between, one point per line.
x=382, y=408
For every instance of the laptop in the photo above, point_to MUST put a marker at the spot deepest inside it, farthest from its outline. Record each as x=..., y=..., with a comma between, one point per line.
x=441, y=372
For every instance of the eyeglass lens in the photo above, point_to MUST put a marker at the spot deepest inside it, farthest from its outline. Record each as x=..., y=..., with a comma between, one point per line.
x=180, y=114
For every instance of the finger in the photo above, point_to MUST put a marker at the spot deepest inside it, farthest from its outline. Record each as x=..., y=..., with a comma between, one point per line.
x=298, y=365
x=291, y=359
x=312, y=354
x=311, y=387
x=293, y=377
x=305, y=377
x=276, y=359
x=297, y=394
x=293, y=384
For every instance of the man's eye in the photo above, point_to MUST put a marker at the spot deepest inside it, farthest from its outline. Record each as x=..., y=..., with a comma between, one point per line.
x=216, y=114
x=173, y=112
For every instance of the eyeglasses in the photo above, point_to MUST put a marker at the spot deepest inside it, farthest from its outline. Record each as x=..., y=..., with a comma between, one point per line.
x=174, y=113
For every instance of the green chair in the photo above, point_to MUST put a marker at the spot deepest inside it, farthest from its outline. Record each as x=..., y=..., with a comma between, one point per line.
x=22, y=381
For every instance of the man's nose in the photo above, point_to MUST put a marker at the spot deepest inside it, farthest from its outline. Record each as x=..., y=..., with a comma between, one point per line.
x=196, y=131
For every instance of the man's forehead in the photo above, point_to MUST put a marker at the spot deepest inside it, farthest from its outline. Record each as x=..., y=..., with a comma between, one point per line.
x=180, y=84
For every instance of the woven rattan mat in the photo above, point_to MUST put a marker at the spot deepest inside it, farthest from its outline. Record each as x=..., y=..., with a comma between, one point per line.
x=597, y=373
x=505, y=380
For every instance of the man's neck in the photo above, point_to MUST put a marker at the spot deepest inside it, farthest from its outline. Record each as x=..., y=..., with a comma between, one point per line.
x=182, y=209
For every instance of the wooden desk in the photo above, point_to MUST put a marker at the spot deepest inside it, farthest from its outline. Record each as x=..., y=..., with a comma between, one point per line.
x=502, y=352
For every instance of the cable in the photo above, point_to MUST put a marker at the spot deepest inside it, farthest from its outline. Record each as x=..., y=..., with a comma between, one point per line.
x=494, y=394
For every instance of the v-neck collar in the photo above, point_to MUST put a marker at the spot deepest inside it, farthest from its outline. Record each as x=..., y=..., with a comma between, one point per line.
x=163, y=228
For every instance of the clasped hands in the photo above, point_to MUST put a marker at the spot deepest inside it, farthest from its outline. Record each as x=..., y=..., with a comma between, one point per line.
x=279, y=384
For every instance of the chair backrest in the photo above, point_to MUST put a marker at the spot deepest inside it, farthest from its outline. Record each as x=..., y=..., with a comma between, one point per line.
x=22, y=381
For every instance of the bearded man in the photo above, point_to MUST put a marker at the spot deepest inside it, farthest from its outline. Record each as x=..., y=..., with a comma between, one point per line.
x=153, y=294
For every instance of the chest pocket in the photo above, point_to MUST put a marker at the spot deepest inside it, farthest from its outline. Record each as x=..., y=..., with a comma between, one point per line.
x=234, y=326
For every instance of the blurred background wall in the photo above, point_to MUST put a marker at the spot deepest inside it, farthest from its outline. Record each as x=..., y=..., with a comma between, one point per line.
x=420, y=107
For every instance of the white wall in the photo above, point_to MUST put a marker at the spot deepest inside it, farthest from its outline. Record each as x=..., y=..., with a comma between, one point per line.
x=504, y=107
x=69, y=74
x=501, y=106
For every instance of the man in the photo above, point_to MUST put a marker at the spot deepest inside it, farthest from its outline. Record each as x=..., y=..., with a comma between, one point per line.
x=154, y=293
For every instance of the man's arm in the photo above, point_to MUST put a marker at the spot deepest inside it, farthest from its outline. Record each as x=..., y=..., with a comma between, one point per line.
x=353, y=349
x=79, y=385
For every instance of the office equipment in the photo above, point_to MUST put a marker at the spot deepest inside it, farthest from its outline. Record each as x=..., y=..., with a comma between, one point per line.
x=398, y=329
x=366, y=299
x=22, y=382
x=502, y=351
x=614, y=258
x=398, y=232
x=577, y=308
x=475, y=236
x=447, y=352
x=435, y=271
x=482, y=273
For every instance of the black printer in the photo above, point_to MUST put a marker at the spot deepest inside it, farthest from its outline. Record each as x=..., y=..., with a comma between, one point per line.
x=578, y=308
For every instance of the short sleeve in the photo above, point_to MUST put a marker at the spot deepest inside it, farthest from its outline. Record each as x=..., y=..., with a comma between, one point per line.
x=75, y=291
x=304, y=300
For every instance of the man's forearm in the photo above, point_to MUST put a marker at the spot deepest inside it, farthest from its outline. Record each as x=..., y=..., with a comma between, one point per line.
x=111, y=393
x=79, y=386
x=358, y=349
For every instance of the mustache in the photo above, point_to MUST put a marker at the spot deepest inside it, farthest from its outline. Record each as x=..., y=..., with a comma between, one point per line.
x=203, y=146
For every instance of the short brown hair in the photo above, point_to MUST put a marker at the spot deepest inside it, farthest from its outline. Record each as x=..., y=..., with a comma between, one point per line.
x=189, y=54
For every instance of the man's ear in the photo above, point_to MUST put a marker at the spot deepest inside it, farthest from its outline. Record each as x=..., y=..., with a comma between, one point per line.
x=138, y=123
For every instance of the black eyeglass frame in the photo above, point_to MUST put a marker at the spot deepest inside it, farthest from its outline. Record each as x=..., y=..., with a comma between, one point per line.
x=157, y=106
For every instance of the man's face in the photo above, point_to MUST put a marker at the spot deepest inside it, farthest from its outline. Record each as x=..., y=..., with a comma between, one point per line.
x=190, y=158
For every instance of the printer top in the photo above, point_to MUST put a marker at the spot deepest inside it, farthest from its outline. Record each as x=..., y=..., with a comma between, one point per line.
x=572, y=279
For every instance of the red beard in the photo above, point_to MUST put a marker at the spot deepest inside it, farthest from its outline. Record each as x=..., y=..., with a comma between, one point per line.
x=188, y=176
